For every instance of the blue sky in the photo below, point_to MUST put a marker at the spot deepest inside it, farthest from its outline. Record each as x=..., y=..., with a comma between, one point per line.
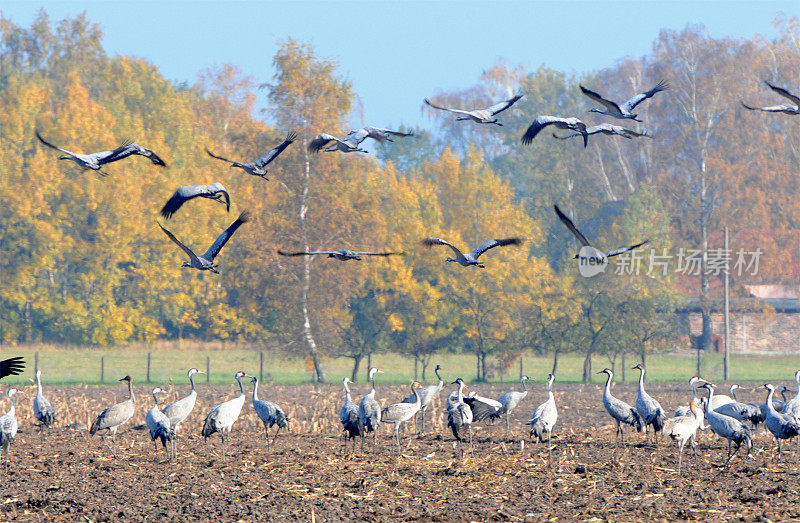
x=398, y=53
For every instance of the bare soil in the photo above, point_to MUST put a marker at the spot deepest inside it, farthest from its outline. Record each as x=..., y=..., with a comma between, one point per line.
x=309, y=475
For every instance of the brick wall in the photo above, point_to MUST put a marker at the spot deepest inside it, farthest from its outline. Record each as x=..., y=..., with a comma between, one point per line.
x=775, y=332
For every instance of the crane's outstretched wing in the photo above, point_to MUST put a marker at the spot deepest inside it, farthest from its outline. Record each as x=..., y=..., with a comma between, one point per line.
x=304, y=253
x=184, y=194
x=359, y=253
x=786, y=94
x=177, y=242
x=382, y=135
x=639, y=98
x=543, y=121
x=126, y=149
x=218, y=157
x=430, y=242
x=621, y=250
x=610, y=105
x=322, y=140
x=502, y=106
x=491, y=244
x=456, y=111
x=769, y=109
x=571, y=226
x=11, y=366
x=223, y=238
x=262, y=162
x=50, y=145
x=480, y=410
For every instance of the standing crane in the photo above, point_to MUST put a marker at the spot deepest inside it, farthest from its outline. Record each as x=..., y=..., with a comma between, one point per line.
x=741, y=411
x=459, y=417
x=485, y=116
x=398, y=413
x=8, y=426
x=649, y=408
x=426, y=395
x=781, y=425
x=348, y=415
x=683, y=429
x=269, y=412
x=545, y=416
x=727, y=427
x=114, y=416
x=509, y=402
x=42, y=408
x=222, y=417
x=792, y=406
x=180, y=410
x=369, y=410
x=159, y=426
x=618, y=409
x=258, y=167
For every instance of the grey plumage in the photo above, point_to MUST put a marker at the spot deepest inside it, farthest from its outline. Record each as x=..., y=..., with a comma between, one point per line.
x=683, y=429
x=482, y=407
x=623, y=110
x=459, y=417
x=179, y=410
x=369, y=410
x=542, y=121
x=741, y=411
x=341, y=255
x=351, y=142
x=269, y=413
x=426, y=395
x=206, y=261
x=94, y=161
x=9, y=426
x=348, y=416
x=214, y=191
x=483, y=116
x=781, y=425
x=159, y=426
x=545, y=416
x=620, y=411
x=783, y=108
x=222, y=417
x=584, y=242
x=114, y=416
x=649, y=408
x=609, y=129
x=258, y=167
x=471, y=258
x=509, y=401
x=727, y=427
x=42, y=409
x=399, y=413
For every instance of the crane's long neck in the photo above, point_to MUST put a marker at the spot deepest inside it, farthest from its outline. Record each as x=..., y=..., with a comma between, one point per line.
x=641, y=379
x=607, y=391
x=416, y=393
x=694, y=392
x=38, y=385
x=733, y=394
x=347, y=392
x=797, y=379
x=770, y=406
x=522, y=382
x=372, y=381
x=255, y=390
x=12, y=411
x=241, y=388
x=710, y=398
x=191, y=382
x=155, y=400
x=550, y=390
x=441, y=382
x=461, y=392
x=131, y=397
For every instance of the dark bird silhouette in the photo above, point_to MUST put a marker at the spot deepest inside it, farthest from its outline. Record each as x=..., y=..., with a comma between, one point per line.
x=258, y=167
x=342, y=255
x=783, y=108
x=11, y=366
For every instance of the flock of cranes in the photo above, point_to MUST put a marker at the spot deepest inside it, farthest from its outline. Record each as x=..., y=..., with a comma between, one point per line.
x=724, y=415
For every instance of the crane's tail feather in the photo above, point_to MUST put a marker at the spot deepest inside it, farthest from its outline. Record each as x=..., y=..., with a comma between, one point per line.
x=658, y=421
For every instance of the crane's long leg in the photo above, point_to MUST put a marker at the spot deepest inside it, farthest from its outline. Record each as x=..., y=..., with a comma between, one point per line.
x=423, y=422
x=508, y=424
x=470, y=438
x=680, y=455
x=549, y=444
x=779, y=451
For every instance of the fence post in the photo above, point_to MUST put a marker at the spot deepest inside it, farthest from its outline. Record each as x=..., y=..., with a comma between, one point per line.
x=36, y=362
x=208, y=370
x=148, y=367
x=521, y=373
x=102, y=368
x=261, y=366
